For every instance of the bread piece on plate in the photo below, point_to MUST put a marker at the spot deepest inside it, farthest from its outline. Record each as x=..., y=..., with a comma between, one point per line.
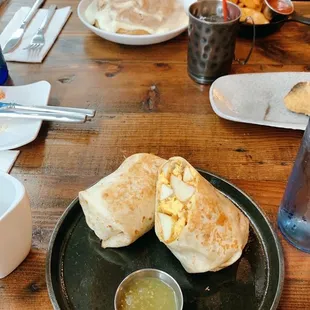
x=298, y=99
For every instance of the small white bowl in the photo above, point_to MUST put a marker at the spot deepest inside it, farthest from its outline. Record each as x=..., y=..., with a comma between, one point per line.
x=126, y=38
x=15, y=224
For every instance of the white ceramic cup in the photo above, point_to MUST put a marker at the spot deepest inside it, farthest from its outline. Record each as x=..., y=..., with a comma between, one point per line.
x=15, y=224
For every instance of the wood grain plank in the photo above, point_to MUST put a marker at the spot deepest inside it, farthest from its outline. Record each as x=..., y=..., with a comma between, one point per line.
x=146, y=102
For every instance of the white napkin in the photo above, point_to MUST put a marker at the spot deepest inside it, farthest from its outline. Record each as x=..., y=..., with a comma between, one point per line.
x=7, y=159
x=56, y=24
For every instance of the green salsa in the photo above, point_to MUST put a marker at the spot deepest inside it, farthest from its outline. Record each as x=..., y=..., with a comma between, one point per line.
x=148, y=293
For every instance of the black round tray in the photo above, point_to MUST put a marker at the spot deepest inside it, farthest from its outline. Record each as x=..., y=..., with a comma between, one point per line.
x=82, y=275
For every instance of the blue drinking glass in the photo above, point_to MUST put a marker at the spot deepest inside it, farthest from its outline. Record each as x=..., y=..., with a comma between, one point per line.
x=4, y=73
x=294, y=212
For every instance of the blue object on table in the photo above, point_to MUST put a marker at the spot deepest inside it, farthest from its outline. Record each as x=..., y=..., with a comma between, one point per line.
x=4, y=73
x=294, y=212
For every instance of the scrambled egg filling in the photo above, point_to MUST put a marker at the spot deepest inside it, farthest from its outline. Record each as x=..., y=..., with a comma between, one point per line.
x=176, y=196
x=178, y=170
x=171, y=206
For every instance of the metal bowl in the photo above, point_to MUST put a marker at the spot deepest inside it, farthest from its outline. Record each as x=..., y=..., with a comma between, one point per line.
x=150, y=273
x=270, y=13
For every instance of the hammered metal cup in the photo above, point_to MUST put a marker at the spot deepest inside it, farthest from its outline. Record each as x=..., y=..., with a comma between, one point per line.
x=212, y=41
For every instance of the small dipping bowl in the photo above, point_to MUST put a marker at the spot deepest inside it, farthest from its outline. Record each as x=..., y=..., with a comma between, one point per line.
x=149, y=273
x=273, y=8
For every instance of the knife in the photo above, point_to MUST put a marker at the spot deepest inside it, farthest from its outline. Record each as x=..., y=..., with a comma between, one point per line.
x=44, y=116
x=8, y=107
x=18, y=34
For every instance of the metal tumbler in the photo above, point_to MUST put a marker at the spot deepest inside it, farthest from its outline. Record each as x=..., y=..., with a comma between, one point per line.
x=212, y=40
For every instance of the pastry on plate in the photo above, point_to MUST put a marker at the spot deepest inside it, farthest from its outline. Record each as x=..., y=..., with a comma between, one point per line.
x=298, y=99
x=120, y=207
x=201, y=227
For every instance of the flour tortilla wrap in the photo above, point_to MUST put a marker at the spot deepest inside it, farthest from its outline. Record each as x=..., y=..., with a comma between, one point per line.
x=120, y=207
x=201, y=227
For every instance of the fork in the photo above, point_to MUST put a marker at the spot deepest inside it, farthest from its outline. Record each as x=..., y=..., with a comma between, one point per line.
x=38, y=40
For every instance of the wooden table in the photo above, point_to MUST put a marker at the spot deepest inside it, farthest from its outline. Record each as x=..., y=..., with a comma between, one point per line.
x=146, y=102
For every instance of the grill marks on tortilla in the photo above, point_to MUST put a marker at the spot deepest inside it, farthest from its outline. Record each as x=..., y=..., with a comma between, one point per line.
x=213, y=222
x=177, y=186
x=221, y=220
x=135, y=190
x=120, y=207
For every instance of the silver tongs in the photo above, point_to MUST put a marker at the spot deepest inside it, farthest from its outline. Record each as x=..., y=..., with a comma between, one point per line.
x=46, y=113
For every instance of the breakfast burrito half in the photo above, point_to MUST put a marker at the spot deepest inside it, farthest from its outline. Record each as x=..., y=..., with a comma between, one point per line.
x=120, y=207
x=201, y=227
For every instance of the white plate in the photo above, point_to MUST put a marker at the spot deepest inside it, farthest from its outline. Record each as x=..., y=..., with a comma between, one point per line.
x=17, y=132
x=7, y=159
x=125, y=38
x=257, y=98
